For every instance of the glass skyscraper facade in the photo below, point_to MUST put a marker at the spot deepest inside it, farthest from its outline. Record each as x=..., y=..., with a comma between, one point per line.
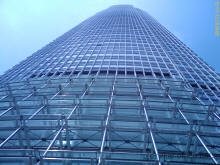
x=119, y=88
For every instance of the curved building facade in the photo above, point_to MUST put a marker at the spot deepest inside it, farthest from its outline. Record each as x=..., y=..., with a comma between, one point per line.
x=119, y=88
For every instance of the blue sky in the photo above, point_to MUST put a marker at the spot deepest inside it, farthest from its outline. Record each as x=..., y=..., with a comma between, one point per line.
x=28, y=25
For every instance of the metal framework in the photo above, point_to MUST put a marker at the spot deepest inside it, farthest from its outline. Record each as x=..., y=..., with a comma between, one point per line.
x=117, y=89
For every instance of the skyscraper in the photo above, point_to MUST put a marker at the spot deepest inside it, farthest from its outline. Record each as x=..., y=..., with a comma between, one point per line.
x=117, y=89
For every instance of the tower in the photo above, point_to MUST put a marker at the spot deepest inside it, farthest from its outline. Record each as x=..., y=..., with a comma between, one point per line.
x=117, y=89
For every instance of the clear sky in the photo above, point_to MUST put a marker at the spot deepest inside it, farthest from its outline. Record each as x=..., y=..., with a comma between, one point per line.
x=28, y=25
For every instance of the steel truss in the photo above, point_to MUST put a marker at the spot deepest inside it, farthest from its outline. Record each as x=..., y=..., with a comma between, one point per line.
x=106, y=119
